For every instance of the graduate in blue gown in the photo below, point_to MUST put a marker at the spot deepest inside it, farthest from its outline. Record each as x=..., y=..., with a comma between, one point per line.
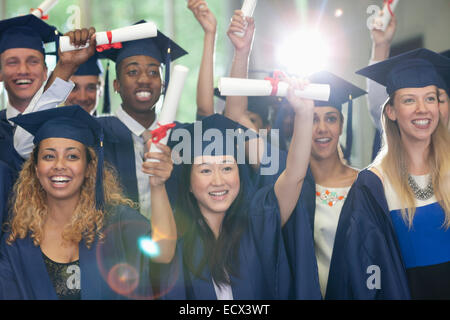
x=327, y=183
x=139, y=83
x=230, y=246
x=72, y=234
x=383, y=250
x=21, y=44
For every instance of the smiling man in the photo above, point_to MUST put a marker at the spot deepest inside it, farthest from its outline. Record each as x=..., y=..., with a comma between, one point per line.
x=139, y=83
x=88, y=86
x=23, y=72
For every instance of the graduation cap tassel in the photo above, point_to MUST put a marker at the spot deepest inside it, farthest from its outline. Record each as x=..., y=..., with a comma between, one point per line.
x=106, y=98
x=349, y=132
x=167, y=73
x=99, y=192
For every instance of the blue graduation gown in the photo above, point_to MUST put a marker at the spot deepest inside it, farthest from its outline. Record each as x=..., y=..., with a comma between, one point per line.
x=8, y=153
x=6, y=183
x=298, y=235
x=366, y=247
x=23, y=274
x=264, y=272
x=119, y=151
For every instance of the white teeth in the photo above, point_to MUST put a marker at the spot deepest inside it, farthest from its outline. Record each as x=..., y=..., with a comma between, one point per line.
x=218, y=194
x=60, y=179
x=421, y=122
x=143, y=94
x=323, y=140
x=23, y=81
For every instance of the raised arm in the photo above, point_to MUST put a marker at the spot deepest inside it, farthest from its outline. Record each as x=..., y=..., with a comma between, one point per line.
x=236, y=107
x=164, y=231
x=205, y=84
x=69, y=61
x=289, y=185
x=381, y=46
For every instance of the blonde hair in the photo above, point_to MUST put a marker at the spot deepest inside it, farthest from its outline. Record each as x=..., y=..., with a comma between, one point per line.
x=393, y=160
x=29, y=205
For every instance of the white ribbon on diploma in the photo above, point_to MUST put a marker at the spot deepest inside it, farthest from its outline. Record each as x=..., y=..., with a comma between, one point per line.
x=251, y=87
x=134, y=32
x=44, y=8
x=171, y=101
x=248, y=8
x=381, y=22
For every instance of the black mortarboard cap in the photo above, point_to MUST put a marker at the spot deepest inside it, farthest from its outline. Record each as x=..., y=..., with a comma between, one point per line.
x=414, y=69
x=215, y=135
x=25, y=32
x=70, y=122
x=160, y=48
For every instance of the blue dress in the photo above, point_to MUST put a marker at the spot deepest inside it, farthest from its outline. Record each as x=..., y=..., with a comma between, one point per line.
x=23, y=274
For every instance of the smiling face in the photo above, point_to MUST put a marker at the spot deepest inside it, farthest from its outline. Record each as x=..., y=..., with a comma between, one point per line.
x=215, y=183
x=23, y=72
x=61, y=168
x=326, y=131
x=85, y=93
x=139, y=84
x=416, y=111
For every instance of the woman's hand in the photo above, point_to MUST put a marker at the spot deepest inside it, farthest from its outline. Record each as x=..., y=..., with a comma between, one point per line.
x=300, y=105
x=245, y=25
x=203, y=15
x=160, y=170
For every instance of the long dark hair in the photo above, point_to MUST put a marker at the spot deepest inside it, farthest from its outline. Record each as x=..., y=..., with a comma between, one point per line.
x=221, y=255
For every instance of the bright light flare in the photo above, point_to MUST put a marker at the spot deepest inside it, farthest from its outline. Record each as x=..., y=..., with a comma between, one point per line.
x=338, y=13
x=304, y=53
x=149, y=247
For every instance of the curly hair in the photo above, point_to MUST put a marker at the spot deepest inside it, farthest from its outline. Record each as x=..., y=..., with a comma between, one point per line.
x=29, y=205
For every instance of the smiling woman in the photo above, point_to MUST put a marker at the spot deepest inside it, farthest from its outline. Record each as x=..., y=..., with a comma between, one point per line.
x=401, y=204
x=68, y=212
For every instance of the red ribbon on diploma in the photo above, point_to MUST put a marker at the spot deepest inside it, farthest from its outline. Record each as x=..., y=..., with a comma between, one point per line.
x=275, y=81
x=103, y=47
x=161, y=132
x=42, y=13
x=389, y=2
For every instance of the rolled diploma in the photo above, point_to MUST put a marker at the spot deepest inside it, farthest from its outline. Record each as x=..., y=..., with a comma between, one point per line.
x=382, y=22
x=250, y=87
x=171, y=102
x=45, y=6
x=248, y=8
x=134, y=32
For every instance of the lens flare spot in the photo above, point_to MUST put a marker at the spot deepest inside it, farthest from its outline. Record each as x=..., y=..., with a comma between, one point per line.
x=123, y=278
x=149, y=247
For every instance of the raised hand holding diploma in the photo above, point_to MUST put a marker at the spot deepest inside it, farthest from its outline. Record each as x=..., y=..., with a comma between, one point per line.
x=381, y=22
x=239, y=23
x=134, y=32
x=248, y=8
x=251, y=87
x=169, y=109
x=42, y=10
